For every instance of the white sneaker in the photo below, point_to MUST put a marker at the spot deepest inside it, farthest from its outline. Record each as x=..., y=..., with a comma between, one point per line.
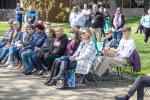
x=7, y=64
x=10, y=66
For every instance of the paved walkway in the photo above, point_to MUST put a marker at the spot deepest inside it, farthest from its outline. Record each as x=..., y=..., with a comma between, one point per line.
x=16, y=86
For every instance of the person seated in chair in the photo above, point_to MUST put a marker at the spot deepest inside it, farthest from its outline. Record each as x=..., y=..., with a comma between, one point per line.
x=16, y=38
x=14, y=50
x=37, y=42
x=38, y=57
x=138, y=85
x=82, y=58
x=124, y=50
x=71, y=48
x=56, y=50
x=109, y=44
x=7, y=38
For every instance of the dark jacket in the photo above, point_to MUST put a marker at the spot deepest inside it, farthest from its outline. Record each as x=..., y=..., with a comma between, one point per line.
x=17, y=36
x=58, y=51
x=29, y=43
x=69, y=53
x=8, y=35
x=96, y=20
x=47, y=44
x=122, y=21
x=39, y=39
x=36, y=40
x=135, y=61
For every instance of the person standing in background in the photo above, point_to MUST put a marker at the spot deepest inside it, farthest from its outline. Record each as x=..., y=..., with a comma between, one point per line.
x=31, y=17
x=96, y=22
x=146, y=25
x=19, y=13
x=86, y=13
x=107, y=16
x=118, y=21
x=77, y=18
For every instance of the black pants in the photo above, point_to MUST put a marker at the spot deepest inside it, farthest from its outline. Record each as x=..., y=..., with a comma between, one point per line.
x=140, y=27
x=138, y=85
x=147, y=33
x=49, y=59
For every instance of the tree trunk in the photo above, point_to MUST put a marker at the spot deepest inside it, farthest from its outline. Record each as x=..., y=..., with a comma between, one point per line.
x=113, y=6
x=95, y=1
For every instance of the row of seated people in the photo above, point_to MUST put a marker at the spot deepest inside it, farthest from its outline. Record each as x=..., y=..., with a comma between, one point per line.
x=50, y=51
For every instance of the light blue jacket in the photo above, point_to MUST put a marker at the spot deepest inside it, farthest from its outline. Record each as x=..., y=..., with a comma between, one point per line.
x=146, y=21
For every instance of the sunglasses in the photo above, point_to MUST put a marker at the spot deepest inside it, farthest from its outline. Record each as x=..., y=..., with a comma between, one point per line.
x=83, y=33
x=124, y=30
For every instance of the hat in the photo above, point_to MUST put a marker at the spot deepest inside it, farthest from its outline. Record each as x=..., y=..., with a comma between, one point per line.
x=40, y=27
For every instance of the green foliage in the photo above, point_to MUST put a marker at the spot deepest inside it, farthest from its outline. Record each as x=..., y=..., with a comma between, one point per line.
x=41, y=6
x=63, y=13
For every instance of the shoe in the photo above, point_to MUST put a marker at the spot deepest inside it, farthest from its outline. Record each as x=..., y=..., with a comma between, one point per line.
x=27, y=73
x=20, y=66
x=10, y=66
x=7, y=64
x=46, y=75
x=34, y=71
x=58, y=77
x=122, y=97
x=41, y=72
x=48, y=81
x=51, y=83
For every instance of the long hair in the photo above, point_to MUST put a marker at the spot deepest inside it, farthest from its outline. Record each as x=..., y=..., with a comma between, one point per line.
x=89, y=32
x=76, y=31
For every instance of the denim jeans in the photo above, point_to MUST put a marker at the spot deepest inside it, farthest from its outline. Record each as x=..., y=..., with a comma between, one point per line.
x=138, y=85
x=35, y=61
x=3, y=53
x=26, y=60
x=2, y=44
x=14, y=53
x=117, y=35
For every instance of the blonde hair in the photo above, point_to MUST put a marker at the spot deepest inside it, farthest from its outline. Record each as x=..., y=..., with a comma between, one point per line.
x=89, y=32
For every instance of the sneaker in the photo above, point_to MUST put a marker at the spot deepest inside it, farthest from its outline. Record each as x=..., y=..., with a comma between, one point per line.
x=46, y=75
x=122, y=97
x=7, y=63
x=10, y=66
x=58, y=77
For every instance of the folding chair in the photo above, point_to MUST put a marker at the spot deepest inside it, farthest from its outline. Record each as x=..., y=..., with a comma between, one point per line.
x=90, y=73
x=121, y=69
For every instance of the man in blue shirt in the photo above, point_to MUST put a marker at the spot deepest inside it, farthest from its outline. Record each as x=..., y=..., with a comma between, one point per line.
x=19, y=12
x=31, y=17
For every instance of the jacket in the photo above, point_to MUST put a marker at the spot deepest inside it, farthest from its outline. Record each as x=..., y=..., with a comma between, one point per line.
x=47, y=44
x=17, y=36
x=96, y=20
x=74, y=48
x=59, y=50
x=85, y=55
x=121, y=22
x=134, y=59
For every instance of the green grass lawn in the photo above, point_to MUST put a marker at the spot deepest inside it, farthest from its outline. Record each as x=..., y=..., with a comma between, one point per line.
x=144, y=50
